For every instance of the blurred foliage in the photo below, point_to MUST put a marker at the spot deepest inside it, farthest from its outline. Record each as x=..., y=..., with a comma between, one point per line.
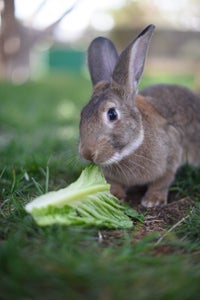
x=39, y=125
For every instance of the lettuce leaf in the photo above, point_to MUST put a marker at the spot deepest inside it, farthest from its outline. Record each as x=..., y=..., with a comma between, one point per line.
x=86, y=202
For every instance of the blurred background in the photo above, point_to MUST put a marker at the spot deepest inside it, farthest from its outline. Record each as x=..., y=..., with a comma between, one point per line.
x=44, y=82
x=43, y=36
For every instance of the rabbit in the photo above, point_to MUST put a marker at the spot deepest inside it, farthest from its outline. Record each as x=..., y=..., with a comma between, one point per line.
x=137, y=138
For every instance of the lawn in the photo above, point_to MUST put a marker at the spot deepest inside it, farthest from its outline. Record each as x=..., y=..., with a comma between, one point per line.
x=38, y=148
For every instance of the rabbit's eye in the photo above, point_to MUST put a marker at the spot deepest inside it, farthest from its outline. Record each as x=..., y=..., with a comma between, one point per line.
x=112, y=114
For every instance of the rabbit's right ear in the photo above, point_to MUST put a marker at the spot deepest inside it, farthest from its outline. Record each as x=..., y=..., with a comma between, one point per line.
x=130, y=65
x=102, y=58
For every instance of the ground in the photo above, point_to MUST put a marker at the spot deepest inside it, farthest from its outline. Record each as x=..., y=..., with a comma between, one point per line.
x=158, y=259
x=159, y=218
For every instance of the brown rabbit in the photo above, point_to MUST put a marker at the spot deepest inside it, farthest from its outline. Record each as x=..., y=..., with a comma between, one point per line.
x=136, y=138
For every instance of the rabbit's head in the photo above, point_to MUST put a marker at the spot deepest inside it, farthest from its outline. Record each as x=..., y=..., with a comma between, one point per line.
x=111, y=125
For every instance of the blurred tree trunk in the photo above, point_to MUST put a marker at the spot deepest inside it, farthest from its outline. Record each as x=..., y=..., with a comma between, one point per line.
x=9, y=39
x=17, y=42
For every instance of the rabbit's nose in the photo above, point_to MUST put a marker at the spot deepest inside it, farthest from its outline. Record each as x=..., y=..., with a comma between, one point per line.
x=86, y=152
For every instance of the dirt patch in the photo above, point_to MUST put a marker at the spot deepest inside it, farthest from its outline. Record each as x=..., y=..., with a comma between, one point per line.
x=161, y=218
x=158, y=219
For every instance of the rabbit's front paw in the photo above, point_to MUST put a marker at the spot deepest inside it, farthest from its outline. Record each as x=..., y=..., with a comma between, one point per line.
x=154, y=199
x=118, y=191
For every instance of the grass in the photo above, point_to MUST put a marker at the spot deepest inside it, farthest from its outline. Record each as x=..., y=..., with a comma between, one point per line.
x=38, y=150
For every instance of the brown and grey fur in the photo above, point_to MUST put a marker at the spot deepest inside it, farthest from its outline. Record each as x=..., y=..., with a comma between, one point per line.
x=160, y=126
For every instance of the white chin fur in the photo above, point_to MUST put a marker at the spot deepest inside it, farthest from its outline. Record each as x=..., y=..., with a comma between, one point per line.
x=130, y=148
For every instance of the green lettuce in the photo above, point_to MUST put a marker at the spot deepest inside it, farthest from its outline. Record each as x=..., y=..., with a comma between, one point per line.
x=86, y=202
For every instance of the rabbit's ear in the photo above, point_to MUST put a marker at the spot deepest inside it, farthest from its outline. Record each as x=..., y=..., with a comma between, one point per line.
x=130, y=65
x=102, y=58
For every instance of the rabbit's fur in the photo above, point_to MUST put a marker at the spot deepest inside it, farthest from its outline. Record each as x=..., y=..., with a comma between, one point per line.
x=137, y=139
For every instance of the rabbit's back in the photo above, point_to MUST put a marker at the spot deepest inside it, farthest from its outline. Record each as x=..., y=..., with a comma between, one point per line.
x=181, y=108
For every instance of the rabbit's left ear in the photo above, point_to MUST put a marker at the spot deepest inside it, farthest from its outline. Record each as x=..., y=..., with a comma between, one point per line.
x=102, y=58
x=130, y=65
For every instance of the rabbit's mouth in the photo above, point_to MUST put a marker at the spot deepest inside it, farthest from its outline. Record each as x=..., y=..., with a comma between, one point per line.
x=96, y=155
